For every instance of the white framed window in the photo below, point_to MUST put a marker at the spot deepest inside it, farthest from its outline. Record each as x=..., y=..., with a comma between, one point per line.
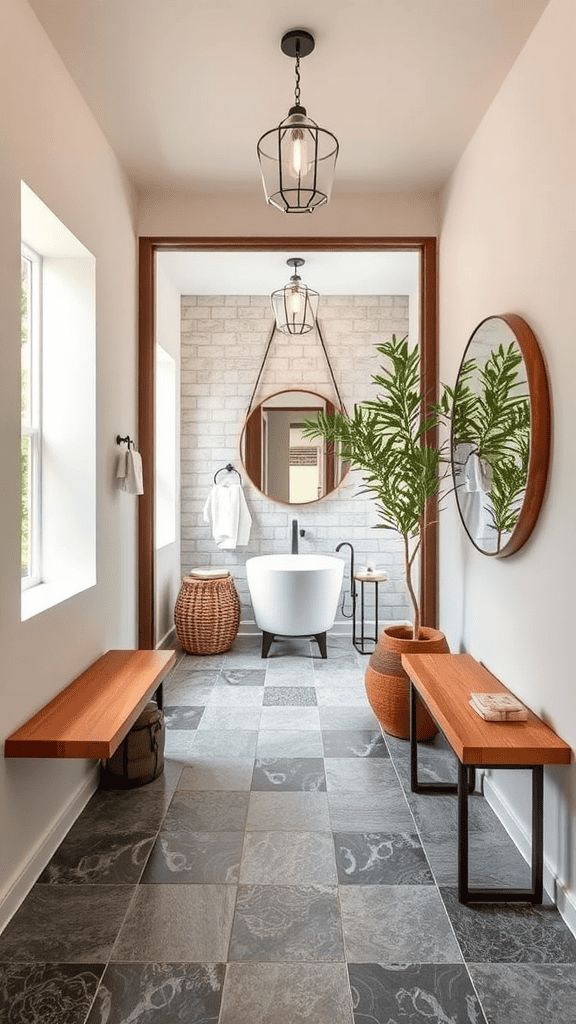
x=31, y=406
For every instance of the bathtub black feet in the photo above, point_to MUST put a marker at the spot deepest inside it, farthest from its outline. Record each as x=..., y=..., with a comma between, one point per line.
x=267, y=639
x=321, y=640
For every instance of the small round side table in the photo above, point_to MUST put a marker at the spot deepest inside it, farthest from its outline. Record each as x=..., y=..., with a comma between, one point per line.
x=375, y=577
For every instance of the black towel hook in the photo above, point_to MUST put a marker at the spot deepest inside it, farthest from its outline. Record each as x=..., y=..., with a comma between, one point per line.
x=125, y=440
x=230, y=469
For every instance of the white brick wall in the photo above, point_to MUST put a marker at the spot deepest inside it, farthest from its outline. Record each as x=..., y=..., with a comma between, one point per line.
x=223, y=343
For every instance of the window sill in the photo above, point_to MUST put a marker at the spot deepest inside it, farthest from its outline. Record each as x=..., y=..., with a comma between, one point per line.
x=46, y=595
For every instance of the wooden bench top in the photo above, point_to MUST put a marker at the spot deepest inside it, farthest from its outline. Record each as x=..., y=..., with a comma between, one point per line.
x=91, y=717
x=445, y=682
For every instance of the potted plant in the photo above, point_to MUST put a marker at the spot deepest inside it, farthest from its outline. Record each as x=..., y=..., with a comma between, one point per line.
x=386, y=439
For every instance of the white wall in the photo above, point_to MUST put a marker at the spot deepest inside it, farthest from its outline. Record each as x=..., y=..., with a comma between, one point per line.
x=167, y=557
x=50, y=140
x=508, y=244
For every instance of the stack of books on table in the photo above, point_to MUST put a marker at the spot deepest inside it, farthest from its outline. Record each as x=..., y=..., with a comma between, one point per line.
x=498, y=707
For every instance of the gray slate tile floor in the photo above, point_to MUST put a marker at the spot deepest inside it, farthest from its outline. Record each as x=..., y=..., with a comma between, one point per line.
x=280, y=872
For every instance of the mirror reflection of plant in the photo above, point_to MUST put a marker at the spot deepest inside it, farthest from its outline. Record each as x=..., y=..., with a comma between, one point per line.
x=494, y=421
x=385, y=439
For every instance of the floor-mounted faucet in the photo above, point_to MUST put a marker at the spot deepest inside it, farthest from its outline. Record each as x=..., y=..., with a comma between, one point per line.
x=295, y=533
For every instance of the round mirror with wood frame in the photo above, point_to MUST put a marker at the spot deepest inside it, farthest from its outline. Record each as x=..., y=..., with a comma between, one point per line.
x=500, y=437
x=281, y=463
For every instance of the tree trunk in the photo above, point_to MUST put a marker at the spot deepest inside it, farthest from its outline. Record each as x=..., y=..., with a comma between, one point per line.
x=411, y=594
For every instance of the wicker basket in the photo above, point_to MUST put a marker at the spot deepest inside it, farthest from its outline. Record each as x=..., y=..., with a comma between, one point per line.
x=207, y=615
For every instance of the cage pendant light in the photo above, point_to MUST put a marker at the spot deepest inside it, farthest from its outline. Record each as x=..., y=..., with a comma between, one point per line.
x=297, y=159
x=295, y=306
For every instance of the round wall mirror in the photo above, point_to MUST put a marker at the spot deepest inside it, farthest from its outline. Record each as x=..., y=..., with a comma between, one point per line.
x=278, y=460
x=500, y=441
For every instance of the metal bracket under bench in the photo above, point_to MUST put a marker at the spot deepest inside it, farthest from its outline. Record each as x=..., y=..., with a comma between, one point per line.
x=444, y=682
x=91, y=717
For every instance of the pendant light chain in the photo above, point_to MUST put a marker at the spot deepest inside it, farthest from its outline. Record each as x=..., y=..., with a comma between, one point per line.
x=297, y=86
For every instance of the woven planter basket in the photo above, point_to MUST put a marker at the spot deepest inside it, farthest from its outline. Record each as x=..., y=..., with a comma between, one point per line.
x=207, y=615
x=388, y=686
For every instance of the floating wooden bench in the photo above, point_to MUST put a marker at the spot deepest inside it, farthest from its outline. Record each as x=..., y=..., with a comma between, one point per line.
x=91, y=717
x=444, y=683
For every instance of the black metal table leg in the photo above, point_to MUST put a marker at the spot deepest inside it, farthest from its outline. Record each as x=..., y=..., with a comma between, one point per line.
x=463, y=890
x=415, y=785
x=159, y=695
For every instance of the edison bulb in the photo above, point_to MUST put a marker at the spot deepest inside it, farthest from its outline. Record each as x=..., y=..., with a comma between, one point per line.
x=298, y=165
x=294, y=301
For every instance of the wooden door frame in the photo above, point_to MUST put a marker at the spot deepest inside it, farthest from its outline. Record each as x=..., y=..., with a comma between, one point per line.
x=148, y=247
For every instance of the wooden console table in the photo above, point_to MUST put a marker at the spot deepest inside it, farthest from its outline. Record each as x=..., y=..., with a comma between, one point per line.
x=444, y=682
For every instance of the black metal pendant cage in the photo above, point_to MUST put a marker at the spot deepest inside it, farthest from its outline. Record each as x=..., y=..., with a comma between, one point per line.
x=297, y=160
x=295, y=306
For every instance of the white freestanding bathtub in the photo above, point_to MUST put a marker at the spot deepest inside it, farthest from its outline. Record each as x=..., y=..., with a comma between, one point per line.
x=294, y=595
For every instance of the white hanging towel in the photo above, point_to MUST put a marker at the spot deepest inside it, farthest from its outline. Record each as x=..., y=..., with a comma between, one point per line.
x=129, y=472
x=227, y=513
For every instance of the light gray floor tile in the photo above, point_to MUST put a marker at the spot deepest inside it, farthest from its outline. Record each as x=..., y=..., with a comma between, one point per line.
x=224, y=743
x=286, y=994
x=242, y=677
x=178, y=745
x=341, y=671
x=289, y=743
x=349, y=696
x=286, y=923
x=369, y=812
x=226, y=718
x=391, y=924
x=289, y=672
x=293, y=718
x=364, y=774
x=289, y=774
x=288, y=858
x=234, y=774
x=199, y=811
x=351, y=717
x=235, y=696
x=180, y=923
x=300, y=812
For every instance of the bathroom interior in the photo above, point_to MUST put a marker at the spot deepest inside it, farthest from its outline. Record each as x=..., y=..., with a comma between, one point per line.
x=280, y=870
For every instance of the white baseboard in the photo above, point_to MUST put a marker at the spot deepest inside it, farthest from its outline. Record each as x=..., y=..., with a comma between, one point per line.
x=168, y=641
x=518, y=832
x=18, y=887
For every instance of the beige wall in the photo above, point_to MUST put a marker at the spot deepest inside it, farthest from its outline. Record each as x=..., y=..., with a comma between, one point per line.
x=508, y=244
x=398, y=215
x=50, y=140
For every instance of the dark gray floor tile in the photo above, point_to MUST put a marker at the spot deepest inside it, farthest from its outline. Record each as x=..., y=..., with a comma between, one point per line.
x=526, y=993
x=288, y=858
x=195, y=857
x=286, y=994
x=391, y=924
x=182, y=717
x=177, y=923
x=289, y=774
x=47, y=993
x=138, y=810
x=242, y=677
x=286, y=695
x=159, y=994
x=509, y=933
x=104, y=858
x=66, y=924
x=414, y=994
x=197, y=811
x=380, y=858
x=494, y=860
x=437, y=815
x=286, y=923
x=354, y=743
